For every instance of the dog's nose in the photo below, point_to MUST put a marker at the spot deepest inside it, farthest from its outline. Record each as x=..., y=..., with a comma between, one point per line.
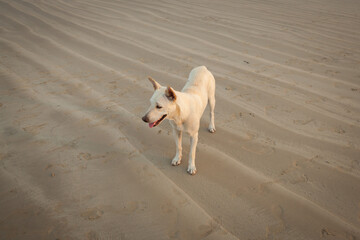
x=145, y=118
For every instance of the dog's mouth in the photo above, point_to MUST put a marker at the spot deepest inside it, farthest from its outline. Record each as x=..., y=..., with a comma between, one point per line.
x=154, y=124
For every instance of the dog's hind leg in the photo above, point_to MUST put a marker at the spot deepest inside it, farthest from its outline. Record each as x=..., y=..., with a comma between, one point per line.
x=193, y=142
x=212, y=107
x=178, y=140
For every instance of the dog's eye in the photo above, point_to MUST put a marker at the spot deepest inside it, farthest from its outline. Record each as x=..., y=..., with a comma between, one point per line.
x=158, y=107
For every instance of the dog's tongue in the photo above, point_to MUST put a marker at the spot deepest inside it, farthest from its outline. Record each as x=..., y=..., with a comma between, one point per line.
x=151, y=124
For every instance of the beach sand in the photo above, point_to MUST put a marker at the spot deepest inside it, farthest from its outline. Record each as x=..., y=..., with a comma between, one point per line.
x=77, y=162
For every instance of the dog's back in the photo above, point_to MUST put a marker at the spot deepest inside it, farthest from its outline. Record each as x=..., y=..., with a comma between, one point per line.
x=201, y=82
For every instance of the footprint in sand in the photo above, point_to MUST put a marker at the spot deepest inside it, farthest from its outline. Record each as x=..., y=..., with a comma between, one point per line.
x=315, y=100
x=331, y=72
x=211, y=18
x=207, y=229
x=349, y=236
x=277, y=211
x=251, y=135
x=167, y=208
x=243, y=114
x=133, y=206
x=259, y=150
x=92, y=213
x=34, y=129
x=303, y=122
x=270, y=108
x=229, y=88
x=325, y=232
x=293, y=167
x=84, y=156
x=231, y=118
x=299, y=179
x=337, y=130
x=9, y=131
x=92, y=235
x=276, y=228
x=268, y=141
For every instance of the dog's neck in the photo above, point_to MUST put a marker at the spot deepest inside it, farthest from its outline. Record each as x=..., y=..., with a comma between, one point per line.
x=176, y=115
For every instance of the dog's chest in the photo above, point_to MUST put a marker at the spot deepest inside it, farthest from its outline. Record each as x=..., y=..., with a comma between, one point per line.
x=177, y=127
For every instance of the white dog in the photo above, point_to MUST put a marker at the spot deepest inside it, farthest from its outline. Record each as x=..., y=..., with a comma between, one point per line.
x=184, y=110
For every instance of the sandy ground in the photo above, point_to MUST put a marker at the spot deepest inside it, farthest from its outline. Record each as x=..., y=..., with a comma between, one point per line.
x=77, y=162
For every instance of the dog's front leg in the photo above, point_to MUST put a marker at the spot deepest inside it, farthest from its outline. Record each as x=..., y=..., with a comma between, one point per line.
x=193, y=142
x=178, y=139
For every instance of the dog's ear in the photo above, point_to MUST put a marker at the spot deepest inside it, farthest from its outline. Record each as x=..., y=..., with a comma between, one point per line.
x=155, y=84
x=170, y=94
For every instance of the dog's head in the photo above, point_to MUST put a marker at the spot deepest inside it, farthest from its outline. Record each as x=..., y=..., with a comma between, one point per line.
x=162, y=104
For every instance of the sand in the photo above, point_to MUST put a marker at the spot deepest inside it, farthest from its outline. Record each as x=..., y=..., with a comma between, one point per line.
x=77, y=162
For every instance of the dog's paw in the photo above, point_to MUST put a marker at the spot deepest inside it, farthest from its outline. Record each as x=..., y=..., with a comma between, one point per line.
x=191, y=170
x=176, y=161
x=212, y=130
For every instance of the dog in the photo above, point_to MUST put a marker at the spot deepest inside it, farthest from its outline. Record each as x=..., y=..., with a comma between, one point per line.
x=184, y=110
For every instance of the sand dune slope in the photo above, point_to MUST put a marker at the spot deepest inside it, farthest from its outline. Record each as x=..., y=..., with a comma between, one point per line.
x=77, y=162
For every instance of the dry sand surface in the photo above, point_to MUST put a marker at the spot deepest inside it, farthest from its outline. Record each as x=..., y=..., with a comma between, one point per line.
x=77, y=162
